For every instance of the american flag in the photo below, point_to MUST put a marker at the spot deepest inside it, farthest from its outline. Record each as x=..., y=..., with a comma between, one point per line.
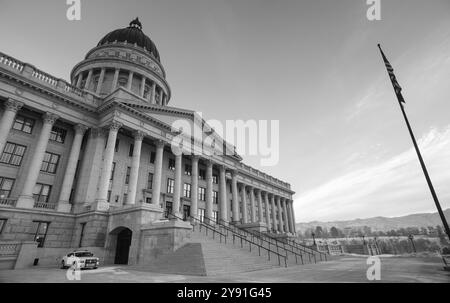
x=390, y=70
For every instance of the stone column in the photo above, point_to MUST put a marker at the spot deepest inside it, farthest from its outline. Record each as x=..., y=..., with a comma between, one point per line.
x=80, y=78
x=88, y=80
x=194, y=187
x=102, y=195
x=209, y=191
x=161, y=93
x=252, y=204
x=280, y=215
x=130, y=80
x=157, y=176
x=260, y=208
x=142, y=88
x=178, y=184
x=115, y=79
x=274, y=212
x=100, y=81
x=26, y=197
x=9, y=115
x=153, y=100
x=289, y=215
x=235, y=202
x=292, y=216
x=66, y=188
x=266, y=204
x=223, y=194
x=134, y=173
x=244, y=203
x=285, y=215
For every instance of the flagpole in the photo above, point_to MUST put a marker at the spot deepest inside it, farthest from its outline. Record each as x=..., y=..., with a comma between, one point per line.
x=422, y=163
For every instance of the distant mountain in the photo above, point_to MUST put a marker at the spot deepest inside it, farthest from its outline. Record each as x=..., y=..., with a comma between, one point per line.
x=382, y=223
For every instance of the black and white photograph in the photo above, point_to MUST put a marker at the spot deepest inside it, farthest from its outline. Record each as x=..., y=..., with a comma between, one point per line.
x=240, y=144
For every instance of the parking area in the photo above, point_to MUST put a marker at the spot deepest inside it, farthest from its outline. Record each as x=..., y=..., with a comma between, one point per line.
x=340, y=269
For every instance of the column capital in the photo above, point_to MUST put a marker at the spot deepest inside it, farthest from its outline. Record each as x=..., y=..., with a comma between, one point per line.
x=195, y=158
x=13, y=105
x=139, y=135
x=115, y=125
x=160, y=143
x=80, y=129
x=50, y=118
x=98, y=132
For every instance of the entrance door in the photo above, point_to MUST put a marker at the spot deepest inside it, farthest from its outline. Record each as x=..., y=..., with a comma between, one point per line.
x=123, y=246
x=168, y=209
x=186, y=212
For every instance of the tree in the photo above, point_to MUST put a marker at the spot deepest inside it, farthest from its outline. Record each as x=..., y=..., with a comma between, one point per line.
x=334, y=232
x=319, y=232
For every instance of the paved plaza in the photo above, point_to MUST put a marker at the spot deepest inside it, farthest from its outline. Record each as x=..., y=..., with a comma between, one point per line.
x=340, y=269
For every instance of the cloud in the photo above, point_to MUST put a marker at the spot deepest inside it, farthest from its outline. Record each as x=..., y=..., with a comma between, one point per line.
x=395, y=186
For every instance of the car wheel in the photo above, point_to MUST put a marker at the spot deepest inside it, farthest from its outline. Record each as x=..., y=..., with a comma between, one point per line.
x=63, y=266
x=95, y=267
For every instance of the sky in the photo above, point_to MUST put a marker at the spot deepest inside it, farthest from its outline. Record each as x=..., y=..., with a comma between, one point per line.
x=312, y=65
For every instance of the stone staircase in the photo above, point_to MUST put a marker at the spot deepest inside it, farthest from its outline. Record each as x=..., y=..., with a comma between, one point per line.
x=228, y=258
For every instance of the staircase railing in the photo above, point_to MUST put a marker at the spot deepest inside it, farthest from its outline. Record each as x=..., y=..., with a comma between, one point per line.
x=301, y=246
x=205, y=225
x=262, y=240
x=278, y=243
x=250, y=242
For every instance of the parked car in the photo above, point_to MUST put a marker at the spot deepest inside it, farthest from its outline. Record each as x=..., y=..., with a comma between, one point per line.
x=80, y=259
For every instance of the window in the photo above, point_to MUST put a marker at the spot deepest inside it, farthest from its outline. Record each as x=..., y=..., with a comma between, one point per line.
x=201, y=193
x=215, y=216
x=2, y=224
x=40, y=233
x=148, y=200
x=123, y=80
x=109, y=196
x=127, y=176
x=168, y=209
x=147, y=90
x=201, y=174
x=23, y=124
x=152, y=157
x=58, y=134
x=172, y=164
x=188, y=169
x=13, y=154
x=130, y=151
x=83, y=225
x=125, y=199
x=41, y=192
x=215, y=179
x=112, y=171
x=50, y=163
x=186, y=212
x=150, y=181
x=215, y=196
x=116, y=146
x=170, y=185
x=6, y=186
x=187, y=190
x=201, y=214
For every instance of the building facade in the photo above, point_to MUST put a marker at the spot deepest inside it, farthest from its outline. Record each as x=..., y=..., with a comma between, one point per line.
x=90, y=163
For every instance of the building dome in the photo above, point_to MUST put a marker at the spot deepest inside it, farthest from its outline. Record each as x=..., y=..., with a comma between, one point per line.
x=132, y=34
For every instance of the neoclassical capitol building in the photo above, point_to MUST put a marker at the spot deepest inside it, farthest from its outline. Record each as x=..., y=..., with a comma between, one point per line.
x=89, y=165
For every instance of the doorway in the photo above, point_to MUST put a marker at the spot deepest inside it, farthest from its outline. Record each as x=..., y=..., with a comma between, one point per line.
x=123, y=246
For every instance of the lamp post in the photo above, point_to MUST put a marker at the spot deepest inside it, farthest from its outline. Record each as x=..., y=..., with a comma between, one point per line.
x=411, y=238
x=314, y=239
x=364, y=241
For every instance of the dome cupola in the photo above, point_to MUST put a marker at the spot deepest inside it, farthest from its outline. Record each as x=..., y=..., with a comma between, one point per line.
x=125, y=58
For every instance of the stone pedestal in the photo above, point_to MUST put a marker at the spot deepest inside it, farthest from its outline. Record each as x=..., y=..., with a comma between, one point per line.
x=162, y=237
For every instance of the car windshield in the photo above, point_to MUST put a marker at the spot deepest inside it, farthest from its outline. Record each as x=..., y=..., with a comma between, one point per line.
x=84, y=254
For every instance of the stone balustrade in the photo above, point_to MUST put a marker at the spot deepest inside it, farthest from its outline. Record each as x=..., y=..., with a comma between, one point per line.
x=45, y=205
x=8, y=249
x=8, y=202
x=43, y=78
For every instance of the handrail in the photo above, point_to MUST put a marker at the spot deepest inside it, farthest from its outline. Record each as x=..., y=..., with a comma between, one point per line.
x=207, y=226
x=296, y=244
x=279, y=244
x=244, y=238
